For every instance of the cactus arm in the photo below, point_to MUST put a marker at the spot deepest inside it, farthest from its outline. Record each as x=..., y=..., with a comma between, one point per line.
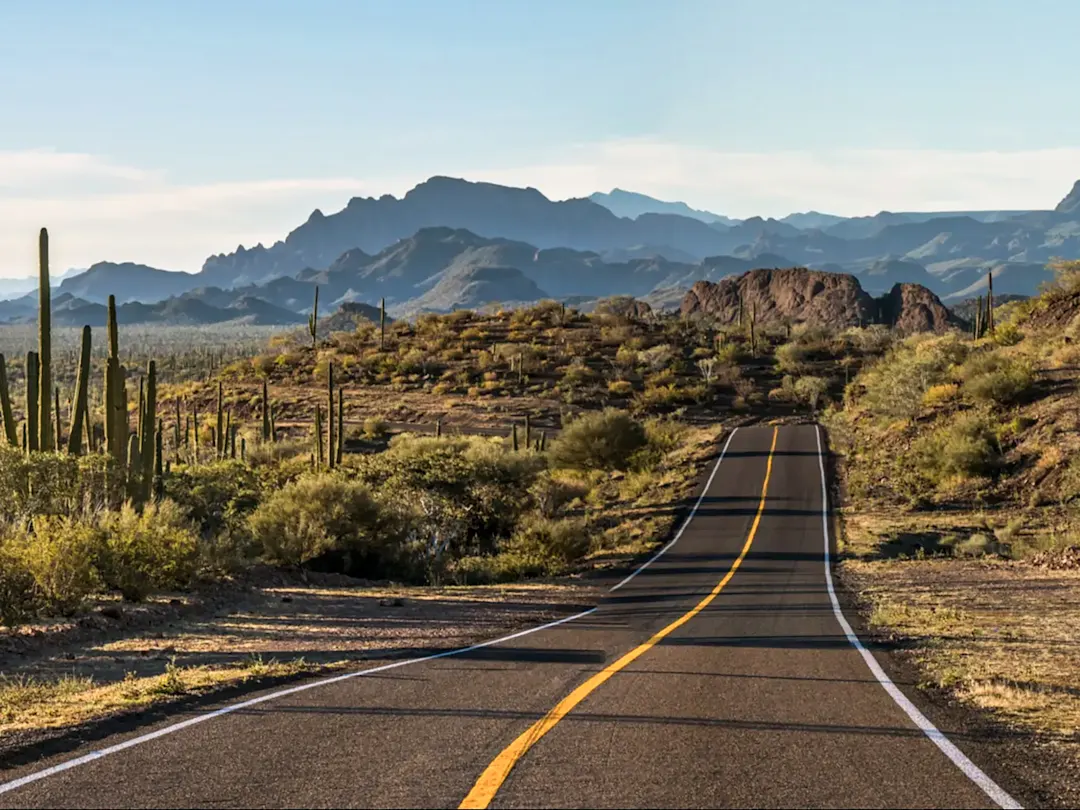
x=10, y=429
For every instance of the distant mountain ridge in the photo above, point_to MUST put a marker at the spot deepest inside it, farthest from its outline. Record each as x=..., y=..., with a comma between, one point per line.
x=630, y=204
x=449, y=242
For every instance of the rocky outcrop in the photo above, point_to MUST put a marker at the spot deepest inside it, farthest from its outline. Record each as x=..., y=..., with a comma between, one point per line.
x=794, y=294
x=624, y=306
x=911, y=308
x=800, y=295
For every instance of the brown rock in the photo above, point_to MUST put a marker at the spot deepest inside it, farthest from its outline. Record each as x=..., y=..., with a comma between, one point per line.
x=795, y=294
x=800, y=295
x=911, y=308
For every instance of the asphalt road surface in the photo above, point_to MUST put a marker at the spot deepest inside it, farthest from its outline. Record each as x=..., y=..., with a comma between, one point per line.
x=720, y=675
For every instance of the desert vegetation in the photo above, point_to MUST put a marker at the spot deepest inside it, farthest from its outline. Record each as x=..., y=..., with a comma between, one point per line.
x=958, y=456
x=132, y=485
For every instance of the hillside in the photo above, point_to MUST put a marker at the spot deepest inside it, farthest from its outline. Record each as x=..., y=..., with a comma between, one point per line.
x=128, y=282
x=471, y=287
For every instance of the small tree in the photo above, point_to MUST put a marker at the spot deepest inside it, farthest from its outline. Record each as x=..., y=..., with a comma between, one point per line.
x=810, y=390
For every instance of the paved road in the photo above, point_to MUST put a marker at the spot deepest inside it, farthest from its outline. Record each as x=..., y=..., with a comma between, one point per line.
x=718, y=676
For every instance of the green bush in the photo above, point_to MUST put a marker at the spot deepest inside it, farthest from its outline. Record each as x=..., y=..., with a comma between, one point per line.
x=963, y=448
x=562, y=540
x=375, y=427
x=493, y=569
x=313, y=515
x=56, y=484
x=156, y=549
x=16, y=585
x=551, y=493
x=217, y=496
x=990, y=377
x=599, y=441
x=59, y=554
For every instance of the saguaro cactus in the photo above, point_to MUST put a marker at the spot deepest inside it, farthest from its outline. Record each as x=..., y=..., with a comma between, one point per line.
x=340, y=424
x=45, y=386
x=80, y=410
x=56, y=419
x=528, y=431
x=318, y=436
x=265, y=412
x=32, y=392
x=313, y=319
x=331, y=428
x=6, y=412
x=219, y=433
x=990, y=302
x=150, y=430
x=382, y=324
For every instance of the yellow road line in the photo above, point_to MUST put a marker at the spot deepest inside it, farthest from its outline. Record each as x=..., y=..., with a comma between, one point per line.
x=495, y=774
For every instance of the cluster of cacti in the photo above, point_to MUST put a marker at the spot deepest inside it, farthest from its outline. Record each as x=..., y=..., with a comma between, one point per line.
x=539, y=445
x=984, y=312
x=335, y=425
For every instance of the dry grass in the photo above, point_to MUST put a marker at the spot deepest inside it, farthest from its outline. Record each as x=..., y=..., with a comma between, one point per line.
x=273, y=632
x=1003, y=636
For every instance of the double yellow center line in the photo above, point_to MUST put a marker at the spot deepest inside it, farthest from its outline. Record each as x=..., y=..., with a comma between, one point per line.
x=496, y=773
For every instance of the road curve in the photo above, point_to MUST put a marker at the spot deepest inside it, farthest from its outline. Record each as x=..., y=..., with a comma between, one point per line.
x=719, y=676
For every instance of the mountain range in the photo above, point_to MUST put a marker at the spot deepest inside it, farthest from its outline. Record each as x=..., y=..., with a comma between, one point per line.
x=449, y=243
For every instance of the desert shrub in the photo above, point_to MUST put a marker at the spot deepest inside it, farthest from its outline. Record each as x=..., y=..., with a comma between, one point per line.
x=217, y=496
x=60, y=556
x=893, y=386
x=941, y=394
x=870, y=340
x=56, y=484
x=156, y=549
x=791, y=357
x=311, y=516
x=730, y=352
x=657, y=358
x=578, y=374
x=375, y=427
x=495, y=568
x=620, y=388
x=606, y=440
x=563, y=540
x=990, y=377
x=962, y=448
x=552, y=492
x=470, y=490
x=810, y=390
x=16, y=584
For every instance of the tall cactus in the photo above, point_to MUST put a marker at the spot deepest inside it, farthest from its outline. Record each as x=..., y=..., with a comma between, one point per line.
x=265, y=412
x=148, y=433
x=159, y=468
x=10, y=429
x=318, y=436
x=528, y=431
x=219, y=433
x=57, y=438
x=32, y=392
x=80, y=410
x=313, y=319
x=331, y=428
x=382, y=324
x=47, y=440
x=340, y=424
x=990, y=302
x=194, y=432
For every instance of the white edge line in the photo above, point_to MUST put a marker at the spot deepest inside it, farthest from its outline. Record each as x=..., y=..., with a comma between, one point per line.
x=161, y=732
x=959, y=759
x=15, y=784
x=686, y=522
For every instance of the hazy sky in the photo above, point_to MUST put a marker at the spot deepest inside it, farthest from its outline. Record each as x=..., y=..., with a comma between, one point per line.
x=163, y=131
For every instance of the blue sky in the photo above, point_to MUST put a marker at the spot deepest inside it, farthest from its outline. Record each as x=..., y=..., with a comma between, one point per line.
x=163, y=131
